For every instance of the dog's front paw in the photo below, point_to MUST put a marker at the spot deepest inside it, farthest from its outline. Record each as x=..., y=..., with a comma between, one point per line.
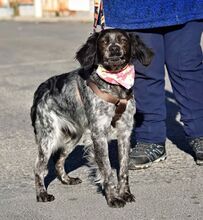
x=116, y=202
x=128, y=197
x=45, y=197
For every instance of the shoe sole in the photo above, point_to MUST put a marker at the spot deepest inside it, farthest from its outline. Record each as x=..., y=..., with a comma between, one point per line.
x=147, y=165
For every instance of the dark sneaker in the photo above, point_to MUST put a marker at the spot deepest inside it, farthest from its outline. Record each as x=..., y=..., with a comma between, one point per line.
x=197, y=146
x=144, y=154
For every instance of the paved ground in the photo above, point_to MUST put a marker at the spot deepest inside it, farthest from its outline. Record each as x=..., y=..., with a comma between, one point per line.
x=29, y=54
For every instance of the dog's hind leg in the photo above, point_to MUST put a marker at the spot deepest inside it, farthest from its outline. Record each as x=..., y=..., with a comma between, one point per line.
x=71, y=134
x=41, y=171
x=60, y=170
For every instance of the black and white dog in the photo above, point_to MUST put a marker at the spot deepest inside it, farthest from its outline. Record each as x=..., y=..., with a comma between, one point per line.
x=90, y=99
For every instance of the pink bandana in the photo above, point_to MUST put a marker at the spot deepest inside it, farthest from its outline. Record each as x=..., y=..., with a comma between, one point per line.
x=124, y=77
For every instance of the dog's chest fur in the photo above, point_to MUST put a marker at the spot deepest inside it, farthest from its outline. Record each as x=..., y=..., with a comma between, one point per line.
x=96, y=108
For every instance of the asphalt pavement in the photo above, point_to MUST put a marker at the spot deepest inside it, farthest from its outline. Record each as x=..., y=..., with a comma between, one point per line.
x=31, y=52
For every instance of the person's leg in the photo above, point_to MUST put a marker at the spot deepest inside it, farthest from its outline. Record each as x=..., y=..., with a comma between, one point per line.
x=150, y=94
x=150, y=104
x=185, y=67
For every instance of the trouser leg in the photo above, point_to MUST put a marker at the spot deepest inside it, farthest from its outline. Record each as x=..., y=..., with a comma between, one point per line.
x=149, y=92
x=185, y=68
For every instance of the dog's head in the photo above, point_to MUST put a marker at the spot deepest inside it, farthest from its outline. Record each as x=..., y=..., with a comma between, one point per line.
x=113, y=49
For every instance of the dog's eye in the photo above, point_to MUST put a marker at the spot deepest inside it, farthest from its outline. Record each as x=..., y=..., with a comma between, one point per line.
x=123, y=40
x=105, y=42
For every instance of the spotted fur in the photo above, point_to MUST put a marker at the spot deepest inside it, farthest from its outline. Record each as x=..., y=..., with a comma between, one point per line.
x=65, y=108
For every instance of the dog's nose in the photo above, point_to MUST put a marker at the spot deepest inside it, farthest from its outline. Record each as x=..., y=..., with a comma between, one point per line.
x=114, y=49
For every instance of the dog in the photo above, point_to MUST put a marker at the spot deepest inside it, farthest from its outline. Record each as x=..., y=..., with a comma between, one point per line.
x=67, y=106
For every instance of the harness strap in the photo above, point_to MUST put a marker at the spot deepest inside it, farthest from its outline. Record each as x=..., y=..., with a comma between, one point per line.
x=98, y=15
x=119, y=103
x=120, y=108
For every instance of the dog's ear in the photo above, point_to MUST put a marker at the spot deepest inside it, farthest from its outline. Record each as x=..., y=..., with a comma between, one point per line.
x=140, y=51
x=86, y=55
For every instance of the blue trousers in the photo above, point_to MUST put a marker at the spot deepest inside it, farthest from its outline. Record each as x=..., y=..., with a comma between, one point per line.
x=178, y=48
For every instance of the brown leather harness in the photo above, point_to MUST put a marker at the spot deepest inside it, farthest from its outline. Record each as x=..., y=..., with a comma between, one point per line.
x=119, y=103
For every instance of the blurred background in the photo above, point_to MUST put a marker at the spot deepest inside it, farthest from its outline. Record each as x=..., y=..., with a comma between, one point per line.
x=45, y=8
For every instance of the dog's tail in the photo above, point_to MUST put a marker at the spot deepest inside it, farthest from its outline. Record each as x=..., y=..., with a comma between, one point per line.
x=41, y=91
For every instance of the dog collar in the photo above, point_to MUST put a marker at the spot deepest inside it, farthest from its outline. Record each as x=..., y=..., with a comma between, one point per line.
x=124, y=77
